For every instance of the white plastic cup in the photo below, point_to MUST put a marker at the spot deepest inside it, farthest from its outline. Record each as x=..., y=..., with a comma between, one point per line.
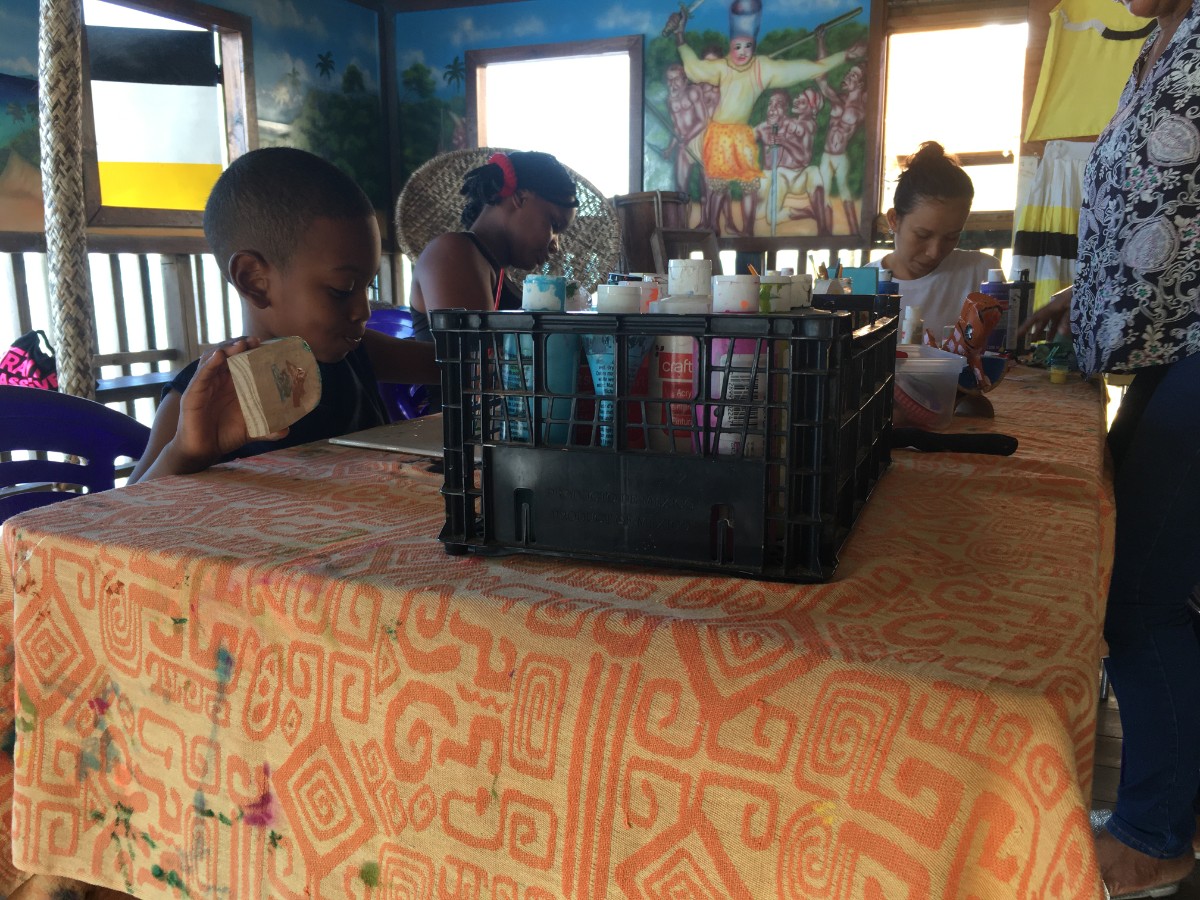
x=735, y=294
x=802, y=290
x=776, y=292
x=547, y=293
x=621, y=298
x=688, y=276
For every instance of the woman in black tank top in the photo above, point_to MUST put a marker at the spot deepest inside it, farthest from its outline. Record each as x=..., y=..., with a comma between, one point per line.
x=517, y=204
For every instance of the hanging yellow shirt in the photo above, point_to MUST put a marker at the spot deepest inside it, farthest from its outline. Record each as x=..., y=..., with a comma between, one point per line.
x=1090, y=52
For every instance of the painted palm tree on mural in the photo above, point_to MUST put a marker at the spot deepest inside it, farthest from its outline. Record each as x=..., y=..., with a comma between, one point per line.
x=16, y=112
x=325, y=64
x=455, y=73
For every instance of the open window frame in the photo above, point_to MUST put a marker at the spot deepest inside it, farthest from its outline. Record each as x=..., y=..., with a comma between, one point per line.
x=984, y=227
x=631, y=45
x=241, y=118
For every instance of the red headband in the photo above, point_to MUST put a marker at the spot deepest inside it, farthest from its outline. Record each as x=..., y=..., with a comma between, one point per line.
x=510, y=174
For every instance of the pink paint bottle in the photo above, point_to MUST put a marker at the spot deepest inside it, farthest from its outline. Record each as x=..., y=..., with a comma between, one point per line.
x=738, y=376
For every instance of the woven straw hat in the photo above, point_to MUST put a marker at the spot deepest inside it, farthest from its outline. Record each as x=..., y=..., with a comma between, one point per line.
x=430, y=204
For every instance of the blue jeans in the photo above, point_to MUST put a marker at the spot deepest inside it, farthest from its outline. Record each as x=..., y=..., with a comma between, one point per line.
x=1151, y=628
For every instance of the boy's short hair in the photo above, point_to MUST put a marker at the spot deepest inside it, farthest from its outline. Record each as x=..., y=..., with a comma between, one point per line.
x=267, y=199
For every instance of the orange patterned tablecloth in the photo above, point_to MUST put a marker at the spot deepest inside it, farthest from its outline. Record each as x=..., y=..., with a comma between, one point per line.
x=269, y=680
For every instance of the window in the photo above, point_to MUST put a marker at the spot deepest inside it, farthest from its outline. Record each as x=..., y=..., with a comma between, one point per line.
x=167, y=105
x=580, y=101
x=962, y=88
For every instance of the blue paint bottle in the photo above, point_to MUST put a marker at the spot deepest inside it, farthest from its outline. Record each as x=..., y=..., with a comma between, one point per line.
x=997, y=287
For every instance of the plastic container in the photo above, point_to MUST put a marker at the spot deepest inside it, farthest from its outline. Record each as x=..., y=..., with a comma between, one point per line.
x=782, y=515
x=802, y=290
x=735, y=293
x=926, y=386
x=997, y=287
x=689, y=276
x=655, y=285
x=911, y=326
x=775, y=293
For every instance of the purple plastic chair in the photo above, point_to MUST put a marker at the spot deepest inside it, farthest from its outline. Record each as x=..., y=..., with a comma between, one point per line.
x=35, y=420
x=403, y=401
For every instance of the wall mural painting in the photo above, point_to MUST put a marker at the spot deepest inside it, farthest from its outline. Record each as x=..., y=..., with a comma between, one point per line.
x=758, y=112
x=316, y=73
x=20, y=155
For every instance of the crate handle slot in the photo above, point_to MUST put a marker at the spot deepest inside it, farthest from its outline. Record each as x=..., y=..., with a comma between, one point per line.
x=523, y=500
x=720, y=533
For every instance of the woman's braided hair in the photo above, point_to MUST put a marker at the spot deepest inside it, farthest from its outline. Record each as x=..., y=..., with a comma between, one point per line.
x=537, y=172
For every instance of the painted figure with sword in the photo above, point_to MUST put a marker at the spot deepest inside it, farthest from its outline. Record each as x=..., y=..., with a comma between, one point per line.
x=730, y=151
x=788, y=142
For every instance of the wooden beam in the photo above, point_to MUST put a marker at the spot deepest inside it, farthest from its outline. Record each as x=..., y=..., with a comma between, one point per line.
x=962, y=14
x=983, y=220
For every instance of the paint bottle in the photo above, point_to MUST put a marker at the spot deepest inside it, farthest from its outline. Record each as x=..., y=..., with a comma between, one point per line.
x=601, y=352
x=541, y=293
x=911, y=326
x=654, y=287
x=802, y=290
x=997, y=287
x=737, y=376
x=887, y=284
x=686, y=277
x=774, y=293
x=672, y=377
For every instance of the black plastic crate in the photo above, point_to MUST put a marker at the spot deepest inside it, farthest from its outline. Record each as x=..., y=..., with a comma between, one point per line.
x=763, y=481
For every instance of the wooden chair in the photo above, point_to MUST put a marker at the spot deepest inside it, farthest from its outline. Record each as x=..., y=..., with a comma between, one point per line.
x=91, y=436
x=679, y=243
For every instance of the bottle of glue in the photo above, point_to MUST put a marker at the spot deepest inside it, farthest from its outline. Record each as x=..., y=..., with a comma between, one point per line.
x=911, y=326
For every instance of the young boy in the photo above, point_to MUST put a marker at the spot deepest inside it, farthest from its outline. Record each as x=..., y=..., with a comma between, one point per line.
x=299, y=242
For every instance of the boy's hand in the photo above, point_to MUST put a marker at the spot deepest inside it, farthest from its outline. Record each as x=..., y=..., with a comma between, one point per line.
x=193, y=430
x=210, y=418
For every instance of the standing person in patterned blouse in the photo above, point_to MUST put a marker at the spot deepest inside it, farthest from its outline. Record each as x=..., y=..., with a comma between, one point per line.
x=1135, y=307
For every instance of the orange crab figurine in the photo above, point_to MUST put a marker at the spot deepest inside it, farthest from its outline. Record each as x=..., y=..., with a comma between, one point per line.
x=980, y=314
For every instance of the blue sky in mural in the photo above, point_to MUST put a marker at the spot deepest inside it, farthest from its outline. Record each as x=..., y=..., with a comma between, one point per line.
x=434, y=38
x=291, y=36
x=18, y=37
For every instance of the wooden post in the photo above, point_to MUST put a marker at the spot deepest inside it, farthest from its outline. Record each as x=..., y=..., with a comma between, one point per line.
x=179, y=301
x=60, y=113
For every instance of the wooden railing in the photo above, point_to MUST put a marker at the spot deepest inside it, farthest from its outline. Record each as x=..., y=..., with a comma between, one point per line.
x=145, y=323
